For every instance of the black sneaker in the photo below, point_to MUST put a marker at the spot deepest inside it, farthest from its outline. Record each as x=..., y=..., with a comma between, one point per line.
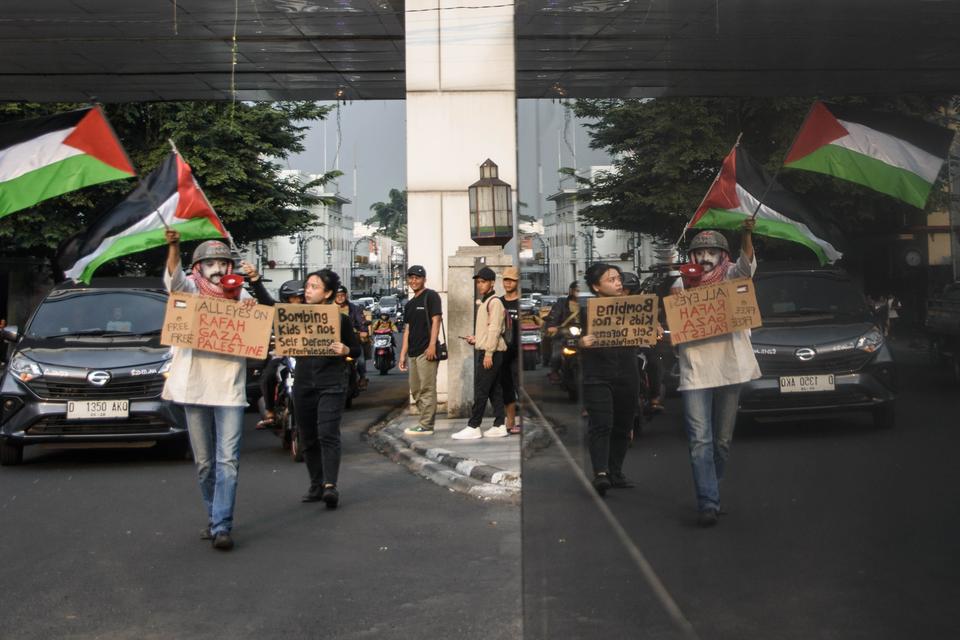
x=331, y=496
x=620, y=481
x=707, y=518
x=313, y=495
x=222, y=541
x=601, y=482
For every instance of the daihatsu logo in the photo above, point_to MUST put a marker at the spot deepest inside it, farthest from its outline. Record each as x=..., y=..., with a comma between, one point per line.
x=98, y=378
x=805, y=354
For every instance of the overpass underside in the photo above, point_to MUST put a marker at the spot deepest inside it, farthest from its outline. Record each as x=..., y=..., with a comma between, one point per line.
x=118, y=50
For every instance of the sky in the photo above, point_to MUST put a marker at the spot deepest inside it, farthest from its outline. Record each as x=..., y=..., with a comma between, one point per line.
x=373, y=158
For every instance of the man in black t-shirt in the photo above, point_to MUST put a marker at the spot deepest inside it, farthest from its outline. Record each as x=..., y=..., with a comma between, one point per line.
x=509, y=375
x=422, y=315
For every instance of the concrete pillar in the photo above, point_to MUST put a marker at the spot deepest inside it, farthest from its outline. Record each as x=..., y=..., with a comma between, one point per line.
x=461, y=110
x=461, y=296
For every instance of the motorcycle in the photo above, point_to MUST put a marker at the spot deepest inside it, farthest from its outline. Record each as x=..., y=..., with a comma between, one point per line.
x=530, y=345
x=353, y=382
x=384, y=354
x=569, y=362
x=284, y=420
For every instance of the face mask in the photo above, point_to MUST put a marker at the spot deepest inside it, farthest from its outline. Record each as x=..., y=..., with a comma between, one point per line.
x=213, y=270
x=707, y=258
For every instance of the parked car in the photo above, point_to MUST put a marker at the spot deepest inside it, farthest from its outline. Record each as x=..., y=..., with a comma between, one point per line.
x=366, y=303
x=942, y=325
x=89, y=368
x=820, y=349
x=389, y=305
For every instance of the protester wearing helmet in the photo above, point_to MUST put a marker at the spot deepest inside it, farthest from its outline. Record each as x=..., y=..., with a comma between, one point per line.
x=360, y=325
x=712, y=370
x=211, y=389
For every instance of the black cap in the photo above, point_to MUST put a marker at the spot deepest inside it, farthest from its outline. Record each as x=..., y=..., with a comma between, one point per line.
x=417, y=270
x=486, y=273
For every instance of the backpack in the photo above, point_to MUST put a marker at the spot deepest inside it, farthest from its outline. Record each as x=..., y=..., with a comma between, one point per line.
x=508, y=334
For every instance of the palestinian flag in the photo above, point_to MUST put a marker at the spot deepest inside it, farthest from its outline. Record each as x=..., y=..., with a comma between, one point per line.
x=45, y=157
x=741, y=185
x=886, y=152
x=135, y=225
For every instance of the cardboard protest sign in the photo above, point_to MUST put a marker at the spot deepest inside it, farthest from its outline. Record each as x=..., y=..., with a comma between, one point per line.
x=306, y=329
x=712, y=310
x=217, y=325
x=627, y=321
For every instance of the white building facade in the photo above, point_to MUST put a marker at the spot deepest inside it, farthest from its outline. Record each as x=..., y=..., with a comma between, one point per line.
x=326, y=244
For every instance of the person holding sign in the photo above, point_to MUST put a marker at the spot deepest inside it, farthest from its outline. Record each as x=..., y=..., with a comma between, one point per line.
x=712, y=370
x=611, y=390
x=320, y=393
x=211, y=389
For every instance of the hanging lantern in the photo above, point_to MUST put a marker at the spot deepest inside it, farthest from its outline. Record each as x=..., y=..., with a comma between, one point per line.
x=491, y=208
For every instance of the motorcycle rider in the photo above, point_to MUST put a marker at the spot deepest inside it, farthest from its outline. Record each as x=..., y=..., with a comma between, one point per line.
x=360, y=326
x=562, y=313
x=291, y=292
x=384, y=322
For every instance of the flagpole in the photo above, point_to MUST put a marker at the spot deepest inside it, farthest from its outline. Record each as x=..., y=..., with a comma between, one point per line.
x=704, y=199
x=233, y=246
x=780, y=164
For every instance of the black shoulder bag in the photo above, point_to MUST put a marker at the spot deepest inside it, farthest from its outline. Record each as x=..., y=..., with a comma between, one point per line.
x=441, y=345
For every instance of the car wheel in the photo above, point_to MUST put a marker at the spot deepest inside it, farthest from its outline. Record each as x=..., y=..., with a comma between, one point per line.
x=884, y=416
x=10, y=454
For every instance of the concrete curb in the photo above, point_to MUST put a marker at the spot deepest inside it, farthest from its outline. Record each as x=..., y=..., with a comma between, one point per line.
x=443, y=467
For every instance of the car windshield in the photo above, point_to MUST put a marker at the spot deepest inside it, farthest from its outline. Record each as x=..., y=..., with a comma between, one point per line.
x=791, y=295
x=388, y=301
x=98, y=313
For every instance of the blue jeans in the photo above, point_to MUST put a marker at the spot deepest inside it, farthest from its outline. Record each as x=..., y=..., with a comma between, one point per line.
x=215, y=438
x=709, y=416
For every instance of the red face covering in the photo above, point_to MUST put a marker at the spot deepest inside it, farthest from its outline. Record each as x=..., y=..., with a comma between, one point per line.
x=207, y=288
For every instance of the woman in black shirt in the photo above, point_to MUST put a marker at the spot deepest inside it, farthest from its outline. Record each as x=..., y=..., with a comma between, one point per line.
x=611, y=391
x=319, y=396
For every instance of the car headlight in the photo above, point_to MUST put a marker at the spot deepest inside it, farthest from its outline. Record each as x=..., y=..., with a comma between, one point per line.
x=870, y=341
x=165, y=369
x=25, y=369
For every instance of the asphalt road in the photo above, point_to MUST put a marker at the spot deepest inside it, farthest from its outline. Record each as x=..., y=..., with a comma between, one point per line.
x=835, y=529
x=105, y=544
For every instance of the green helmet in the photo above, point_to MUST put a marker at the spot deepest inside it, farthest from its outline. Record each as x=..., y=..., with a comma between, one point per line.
x=211, y=250
x=709, y=240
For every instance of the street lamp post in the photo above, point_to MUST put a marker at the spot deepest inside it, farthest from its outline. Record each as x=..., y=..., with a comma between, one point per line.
x=545, y=260
x=301, y=241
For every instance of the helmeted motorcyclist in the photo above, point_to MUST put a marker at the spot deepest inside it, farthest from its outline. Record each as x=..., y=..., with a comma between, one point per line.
x=360, y=325
x=384, y=322
x=290, y=292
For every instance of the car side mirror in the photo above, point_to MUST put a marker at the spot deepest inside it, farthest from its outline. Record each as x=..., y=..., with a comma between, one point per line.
x=10, y=333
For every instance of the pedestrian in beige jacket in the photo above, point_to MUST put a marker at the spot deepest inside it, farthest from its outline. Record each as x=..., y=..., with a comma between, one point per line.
x=489, y=349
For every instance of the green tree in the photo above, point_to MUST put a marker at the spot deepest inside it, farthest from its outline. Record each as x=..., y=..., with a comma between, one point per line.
x=391, y=217
x=233, y=149
x=668, y=151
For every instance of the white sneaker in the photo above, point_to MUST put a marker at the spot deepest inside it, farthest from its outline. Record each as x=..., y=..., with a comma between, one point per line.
x=468, y=433
x=496, y=432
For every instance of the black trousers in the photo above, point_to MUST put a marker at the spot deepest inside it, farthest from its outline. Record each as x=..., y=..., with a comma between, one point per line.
x=509, y=376
x=486, y=386
x=611, y=407
x=318, y=413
